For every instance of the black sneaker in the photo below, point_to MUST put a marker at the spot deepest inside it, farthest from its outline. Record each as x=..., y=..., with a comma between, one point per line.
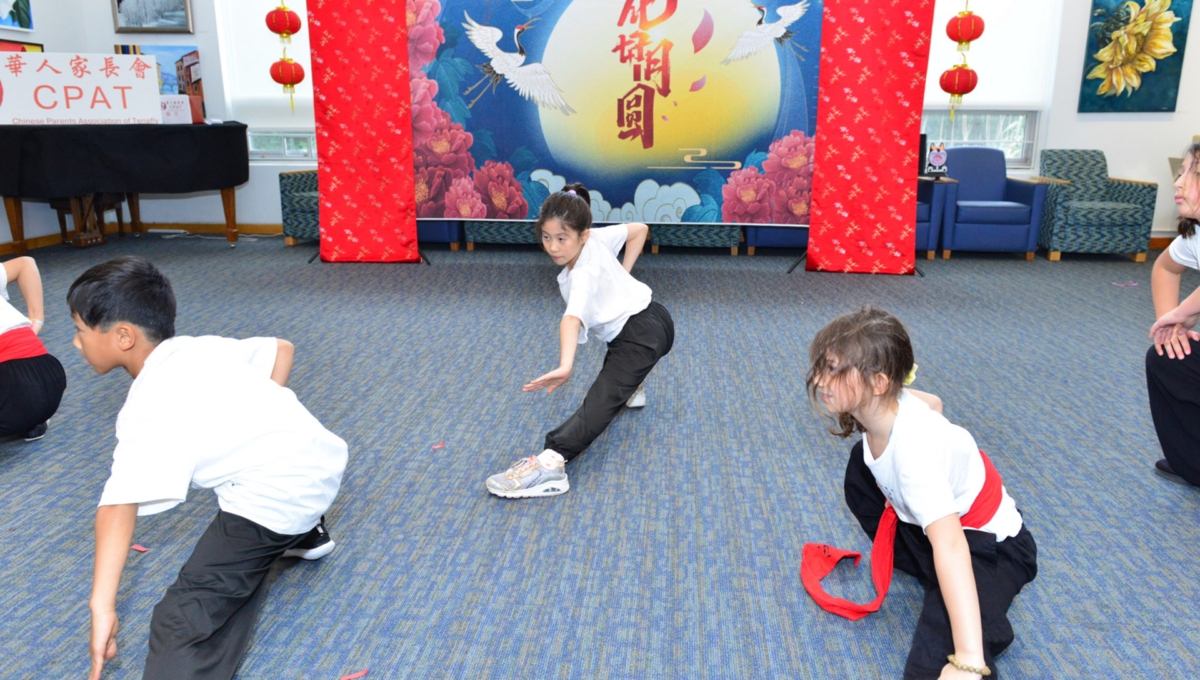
x=1163, y=468
x=315, y=545
x=37, y=433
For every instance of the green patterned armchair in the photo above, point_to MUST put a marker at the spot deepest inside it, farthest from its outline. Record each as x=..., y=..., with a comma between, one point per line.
x=1089, y=212
x=301, y=205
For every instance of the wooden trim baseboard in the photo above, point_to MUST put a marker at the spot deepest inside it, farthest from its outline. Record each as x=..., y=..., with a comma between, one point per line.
x=1161, y=243
x=31, y=243
x=215, y=228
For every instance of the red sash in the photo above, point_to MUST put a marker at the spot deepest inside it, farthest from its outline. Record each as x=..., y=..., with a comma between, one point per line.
x=818, y=560
x=20, y=343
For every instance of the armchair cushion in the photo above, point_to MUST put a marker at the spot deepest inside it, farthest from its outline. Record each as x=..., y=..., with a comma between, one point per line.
x=922, y=212
x=1103, y=213
x=993, y=212
x=981, y=172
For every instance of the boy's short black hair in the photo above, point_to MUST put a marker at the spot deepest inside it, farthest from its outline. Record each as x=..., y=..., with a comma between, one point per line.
x=128, y=289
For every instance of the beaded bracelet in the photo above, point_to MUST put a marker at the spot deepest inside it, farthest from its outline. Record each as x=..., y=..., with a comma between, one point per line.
x=985, y=671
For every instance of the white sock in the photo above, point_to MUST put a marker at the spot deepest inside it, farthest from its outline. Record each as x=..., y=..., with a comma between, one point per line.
x=551, y=458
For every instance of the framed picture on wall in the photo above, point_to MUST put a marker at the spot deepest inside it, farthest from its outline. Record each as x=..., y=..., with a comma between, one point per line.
x=1134, y=55
x=178, y=67
x=151, y=16
x=16, y=15
x=18, y=46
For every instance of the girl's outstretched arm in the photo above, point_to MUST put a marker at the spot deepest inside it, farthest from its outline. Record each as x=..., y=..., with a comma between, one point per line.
x=634, y=243
x=956, y=578
x=932, y=400
x=568, y=336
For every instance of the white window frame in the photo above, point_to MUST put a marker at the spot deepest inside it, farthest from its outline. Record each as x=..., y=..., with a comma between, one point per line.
x=290, y=151
x=1029, y=145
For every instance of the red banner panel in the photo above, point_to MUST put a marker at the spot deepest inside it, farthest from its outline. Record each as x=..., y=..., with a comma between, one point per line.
x=364, y=132
x=874, y=55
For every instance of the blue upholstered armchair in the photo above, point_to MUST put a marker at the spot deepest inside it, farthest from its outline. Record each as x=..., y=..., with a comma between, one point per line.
x=993, y=212
x=931, y=203
x=301, y=205
x=1089, y=212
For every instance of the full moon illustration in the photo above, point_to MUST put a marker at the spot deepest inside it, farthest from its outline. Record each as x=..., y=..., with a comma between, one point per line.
x=737, y=103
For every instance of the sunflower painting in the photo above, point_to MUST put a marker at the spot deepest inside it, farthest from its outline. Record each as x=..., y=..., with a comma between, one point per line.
x=1135, y=55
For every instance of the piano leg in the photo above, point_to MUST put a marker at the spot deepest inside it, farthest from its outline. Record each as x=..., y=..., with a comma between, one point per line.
x=229, y=203
x=16, y=224
x=135, y=214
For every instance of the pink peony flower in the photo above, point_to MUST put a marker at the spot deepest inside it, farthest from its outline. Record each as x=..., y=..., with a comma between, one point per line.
x=747, y=197
x=792, y=202
x=427, y=115
x=425, y=36
x=448, y=147
x=463, y=202
x=501, y=191
x=430, y=186
x=790, y=157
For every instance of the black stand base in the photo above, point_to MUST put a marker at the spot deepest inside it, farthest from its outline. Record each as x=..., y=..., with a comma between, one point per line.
x=797, y=262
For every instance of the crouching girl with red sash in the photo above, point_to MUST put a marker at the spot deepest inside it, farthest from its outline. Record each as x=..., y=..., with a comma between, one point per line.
x=931, y=501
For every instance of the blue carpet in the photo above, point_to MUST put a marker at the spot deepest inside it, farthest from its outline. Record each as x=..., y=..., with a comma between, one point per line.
x=676, y=554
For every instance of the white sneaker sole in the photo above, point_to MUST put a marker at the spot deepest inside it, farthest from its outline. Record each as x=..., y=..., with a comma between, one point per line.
x=544, y=489
x=636, y=401
x=314, y=554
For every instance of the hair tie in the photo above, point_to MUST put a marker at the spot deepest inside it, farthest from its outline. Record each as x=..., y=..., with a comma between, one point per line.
x=572, y=192
x=912, y=376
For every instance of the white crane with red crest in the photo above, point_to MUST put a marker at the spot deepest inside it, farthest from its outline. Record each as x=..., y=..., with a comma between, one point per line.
x=531, y=81
x=758, y=38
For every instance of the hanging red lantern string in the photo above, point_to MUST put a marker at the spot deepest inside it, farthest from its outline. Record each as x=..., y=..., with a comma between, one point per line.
x=964, y=28
x=958, y=81
x=289, y=74
x=284, y=22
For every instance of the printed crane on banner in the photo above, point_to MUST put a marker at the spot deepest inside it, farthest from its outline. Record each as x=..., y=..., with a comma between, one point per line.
x=531, y=81
x=758, y=38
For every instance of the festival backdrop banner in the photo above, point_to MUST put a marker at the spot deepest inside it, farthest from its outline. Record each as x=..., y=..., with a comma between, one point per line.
x=1134, y=55
x=364, y=133
x=667, y=111
x=874, y=55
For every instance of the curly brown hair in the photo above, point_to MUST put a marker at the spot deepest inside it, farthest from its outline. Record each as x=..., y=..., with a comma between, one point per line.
x=866, y=343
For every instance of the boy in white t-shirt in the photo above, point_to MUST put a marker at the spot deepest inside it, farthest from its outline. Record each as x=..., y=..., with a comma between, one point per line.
x=920, y=481
x=603, y=299
x=206, y=412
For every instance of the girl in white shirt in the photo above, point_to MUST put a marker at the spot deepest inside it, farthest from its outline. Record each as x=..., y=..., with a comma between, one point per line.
x=603, y=299
x=1172, y=367
x=914, y=463
x=32, y=381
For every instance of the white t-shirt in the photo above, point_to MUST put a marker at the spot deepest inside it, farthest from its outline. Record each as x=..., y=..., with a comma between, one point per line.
x=598, y=290
x=1186, y=251
x=10, y=318
x=204, y=411
x=931, y=468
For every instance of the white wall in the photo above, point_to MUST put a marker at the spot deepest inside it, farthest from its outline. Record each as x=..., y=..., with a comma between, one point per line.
x=1136, y=145
x=87, y=26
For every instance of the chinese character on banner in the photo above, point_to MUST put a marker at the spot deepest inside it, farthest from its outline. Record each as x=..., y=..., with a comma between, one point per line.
x=110, y=69
x=636, y=11
x=46, y=64
x=15, y=64
x=635, y=111
x=635, y=115
x=79, y=67
x=139, y=68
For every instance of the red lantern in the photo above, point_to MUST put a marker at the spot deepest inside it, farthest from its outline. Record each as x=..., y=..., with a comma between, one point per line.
x=289, y=74
x=283, y=21
x=964, y=28
x=956, y=82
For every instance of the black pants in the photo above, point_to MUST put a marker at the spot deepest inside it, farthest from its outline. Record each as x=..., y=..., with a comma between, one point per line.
x=1001, y=568
x=30, y=391
x=646, y=338
x=1174, y=387
x=201, y=627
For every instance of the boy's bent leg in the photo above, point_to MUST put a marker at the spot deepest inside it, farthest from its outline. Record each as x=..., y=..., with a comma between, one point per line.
x=202, y=626
x=645, y=339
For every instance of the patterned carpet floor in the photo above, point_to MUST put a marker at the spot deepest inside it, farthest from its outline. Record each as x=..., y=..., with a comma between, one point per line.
x=676, y=554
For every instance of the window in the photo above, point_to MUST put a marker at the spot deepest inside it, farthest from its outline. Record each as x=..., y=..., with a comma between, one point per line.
x=272, y=145
x=1013, y=132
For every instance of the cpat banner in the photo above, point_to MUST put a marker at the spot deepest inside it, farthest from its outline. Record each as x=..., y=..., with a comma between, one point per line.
x=667, y=111
x=48, y=89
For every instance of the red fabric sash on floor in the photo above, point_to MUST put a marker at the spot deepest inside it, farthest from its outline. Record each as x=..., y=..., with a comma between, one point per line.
x=818, y=560
x=20, y=343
